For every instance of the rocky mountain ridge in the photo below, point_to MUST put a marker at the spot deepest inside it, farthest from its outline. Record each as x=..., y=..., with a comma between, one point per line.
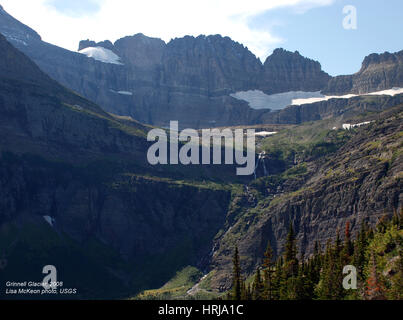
x=378, y=72
x=190, y=79
x=188, y=76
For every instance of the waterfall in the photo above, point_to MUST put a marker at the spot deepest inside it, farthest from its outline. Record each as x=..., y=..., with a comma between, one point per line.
x=260, y=158
x=264, y=167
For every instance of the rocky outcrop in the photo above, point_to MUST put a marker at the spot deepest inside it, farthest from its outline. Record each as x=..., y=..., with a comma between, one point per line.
x=290, y=70
x=378, y=72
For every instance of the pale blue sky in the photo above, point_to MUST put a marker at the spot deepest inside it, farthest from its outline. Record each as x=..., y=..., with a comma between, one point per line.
x=76, y=8
x=319, y=34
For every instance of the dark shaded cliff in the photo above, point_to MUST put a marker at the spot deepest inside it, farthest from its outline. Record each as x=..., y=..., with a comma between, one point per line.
x=86, y=171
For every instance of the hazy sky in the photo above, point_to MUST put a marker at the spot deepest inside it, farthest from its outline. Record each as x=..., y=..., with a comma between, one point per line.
x=313, y=27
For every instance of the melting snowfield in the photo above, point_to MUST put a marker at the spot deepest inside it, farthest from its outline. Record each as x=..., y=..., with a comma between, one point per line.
x=101, y=54
x=389, y=92
x=259, y=100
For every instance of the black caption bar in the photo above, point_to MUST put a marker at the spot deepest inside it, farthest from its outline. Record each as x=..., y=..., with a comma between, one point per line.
x=177, y=310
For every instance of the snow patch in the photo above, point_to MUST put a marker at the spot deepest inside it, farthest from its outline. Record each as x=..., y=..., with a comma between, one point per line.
x=259, y=100
x=126, y=93
x=101, y=54
x=11, y=37
x=298, y=102
x=264, y=133
x=390, y=92
x=347, y=126
x=49, y=220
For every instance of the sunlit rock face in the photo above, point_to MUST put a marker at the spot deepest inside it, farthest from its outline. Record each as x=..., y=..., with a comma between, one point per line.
x=289, y=71
x=378, y=72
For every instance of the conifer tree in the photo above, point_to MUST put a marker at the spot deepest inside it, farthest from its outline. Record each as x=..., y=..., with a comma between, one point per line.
x=337, y=271
x=320, y=276
x=396, y=291
x=237, y=282
x=348, y=246
x=244, y=291
x=290, y=255
x=316, y=263
x=360, y=246
x=374, y=289
x=324, y=287
x=278, y=280
x=268, y=266
x=257, y=288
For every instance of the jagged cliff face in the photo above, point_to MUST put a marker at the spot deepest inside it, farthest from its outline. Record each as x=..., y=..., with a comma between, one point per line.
x=189, y=79
x=378, y=72
x=193, y=78
x=289, y=70
x=210, y=66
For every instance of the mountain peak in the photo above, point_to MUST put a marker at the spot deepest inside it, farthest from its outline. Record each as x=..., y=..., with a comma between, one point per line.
x=378, y=72
x=140, y=50
x=290, y=71
x=279, y=51
x=15, y=31
x=379, y=58
x=89, y=43
x=281, y=54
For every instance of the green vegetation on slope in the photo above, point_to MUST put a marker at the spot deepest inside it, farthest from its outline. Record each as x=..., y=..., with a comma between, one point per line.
x=176, y=288
x=377, y=255
x=309, y=140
